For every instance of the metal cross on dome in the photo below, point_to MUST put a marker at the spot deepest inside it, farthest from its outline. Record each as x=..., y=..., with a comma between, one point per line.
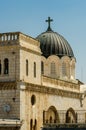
x=49, y=21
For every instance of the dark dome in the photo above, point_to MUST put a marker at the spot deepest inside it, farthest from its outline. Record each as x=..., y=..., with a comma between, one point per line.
x=52, y=43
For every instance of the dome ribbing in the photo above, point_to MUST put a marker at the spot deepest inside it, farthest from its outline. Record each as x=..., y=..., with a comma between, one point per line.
x=52, y=43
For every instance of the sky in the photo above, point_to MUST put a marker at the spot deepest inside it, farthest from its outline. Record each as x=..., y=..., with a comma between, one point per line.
x=69, y=20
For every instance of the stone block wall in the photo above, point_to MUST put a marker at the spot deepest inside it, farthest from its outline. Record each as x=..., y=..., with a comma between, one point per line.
x=12, y=54
x=41, y=98
x=31, y=58
x=7, y=98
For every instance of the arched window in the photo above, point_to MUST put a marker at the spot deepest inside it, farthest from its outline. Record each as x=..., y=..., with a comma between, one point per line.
x=42, y=67
x=52, y=116
x=0, y=67
x=35, y=126
x=71, y=116
x=64, y=71
x=34, y=69
x=53, y=68
x=31, y=124
x=26, y=67
x=6, y=66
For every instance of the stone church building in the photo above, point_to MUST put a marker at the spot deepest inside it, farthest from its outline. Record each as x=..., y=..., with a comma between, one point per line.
x=38, y=87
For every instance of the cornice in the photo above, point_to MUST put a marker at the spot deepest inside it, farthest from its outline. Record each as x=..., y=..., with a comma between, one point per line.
x=8, y=85
x=40, y=89
x=29, y=50
x=65, y=84
x=27, y=39
x=53, y=91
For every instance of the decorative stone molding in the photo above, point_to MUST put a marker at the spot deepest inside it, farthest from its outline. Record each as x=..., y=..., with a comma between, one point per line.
x=53, y=91
x=63, y=83
x=8, y=85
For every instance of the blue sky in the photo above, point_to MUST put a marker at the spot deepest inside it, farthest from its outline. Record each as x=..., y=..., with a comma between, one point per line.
x=28, y=16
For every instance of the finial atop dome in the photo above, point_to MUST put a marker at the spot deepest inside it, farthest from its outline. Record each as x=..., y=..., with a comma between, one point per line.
x=49, y=21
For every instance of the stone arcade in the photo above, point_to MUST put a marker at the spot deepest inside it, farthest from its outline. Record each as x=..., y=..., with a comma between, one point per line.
x=38, y=88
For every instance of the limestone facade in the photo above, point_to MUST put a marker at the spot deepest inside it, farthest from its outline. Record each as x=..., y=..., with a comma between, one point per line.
x=31, y=93
x=59, y=67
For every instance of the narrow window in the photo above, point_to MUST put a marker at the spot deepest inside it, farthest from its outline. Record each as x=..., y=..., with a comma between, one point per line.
x=6, y=66
x=64, y=72
x=42, y=67
x=53, y=68
x=31, y=124
x=0, y=67
x=26, y=67
x=51, y=119
x=35, y=126
x=34, y=69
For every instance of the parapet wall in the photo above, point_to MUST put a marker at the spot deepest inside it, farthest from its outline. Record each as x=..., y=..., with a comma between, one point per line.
x=5, y=37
